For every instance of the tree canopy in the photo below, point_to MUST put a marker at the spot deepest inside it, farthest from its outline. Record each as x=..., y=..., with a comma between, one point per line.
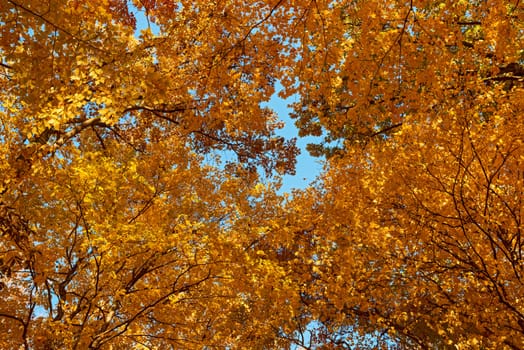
x=140, y=171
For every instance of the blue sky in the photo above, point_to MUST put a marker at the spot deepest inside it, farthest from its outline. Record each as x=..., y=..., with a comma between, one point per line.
x=307, y=167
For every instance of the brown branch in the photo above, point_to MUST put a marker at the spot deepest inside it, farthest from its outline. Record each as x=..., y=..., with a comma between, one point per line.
x=469, y=23
x=398, y=40
x=122, y=327
x=505, y=78
x=385, y=130
x=76, y=130
x=5, y=65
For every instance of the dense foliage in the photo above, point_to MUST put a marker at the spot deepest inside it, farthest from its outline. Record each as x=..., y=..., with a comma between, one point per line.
x=139, y=174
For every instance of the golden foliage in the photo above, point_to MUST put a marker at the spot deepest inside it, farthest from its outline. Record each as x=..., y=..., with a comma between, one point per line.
x=421, y=207
x=134, y=210
x=128, y=176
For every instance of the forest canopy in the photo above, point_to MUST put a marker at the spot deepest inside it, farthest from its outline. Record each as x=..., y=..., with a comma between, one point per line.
x=140, y=168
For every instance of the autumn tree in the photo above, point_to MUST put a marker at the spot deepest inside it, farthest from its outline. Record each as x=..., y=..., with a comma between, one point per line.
x=417, y=222
x=133, y=210
x=130, y=166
